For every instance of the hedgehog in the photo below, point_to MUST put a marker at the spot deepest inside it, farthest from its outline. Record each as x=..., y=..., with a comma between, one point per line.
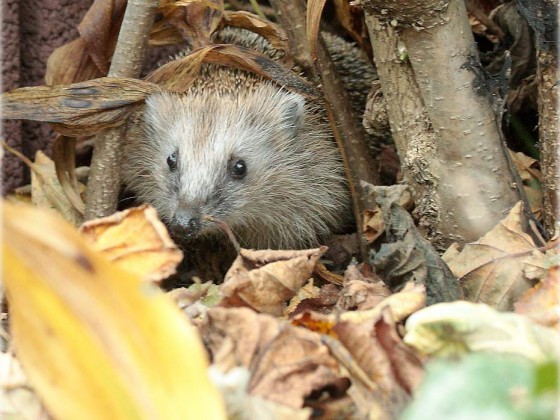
x=241, y=149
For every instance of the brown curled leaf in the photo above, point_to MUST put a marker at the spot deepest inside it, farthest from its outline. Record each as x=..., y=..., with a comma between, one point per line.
x=179, y=74
x=135, y=240
x=192, y=22
x=71, y=63
x=264, y=280
x=286, y=363
x=81, y=108
x=100, y=29
x=269, y=30
x=64, y=157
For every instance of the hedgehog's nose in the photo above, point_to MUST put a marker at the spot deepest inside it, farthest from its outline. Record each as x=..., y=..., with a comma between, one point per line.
x=185, y=222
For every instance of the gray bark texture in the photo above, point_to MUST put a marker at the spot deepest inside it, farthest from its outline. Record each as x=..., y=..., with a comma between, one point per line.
x=444, y=126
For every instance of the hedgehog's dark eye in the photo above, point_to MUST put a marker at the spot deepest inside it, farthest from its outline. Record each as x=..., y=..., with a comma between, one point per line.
x=238, y=169
x=172, y=161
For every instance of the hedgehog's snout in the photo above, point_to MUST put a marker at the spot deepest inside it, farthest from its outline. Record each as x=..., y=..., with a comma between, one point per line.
x=186, y=222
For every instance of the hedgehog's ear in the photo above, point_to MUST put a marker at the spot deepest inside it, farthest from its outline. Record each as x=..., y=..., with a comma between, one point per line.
x=293, y=111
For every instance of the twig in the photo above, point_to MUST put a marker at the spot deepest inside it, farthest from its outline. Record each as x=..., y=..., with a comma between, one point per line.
x=227, y=230
x=104, y=181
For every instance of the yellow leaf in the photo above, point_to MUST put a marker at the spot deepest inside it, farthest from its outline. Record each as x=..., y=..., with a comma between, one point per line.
x=96, y=342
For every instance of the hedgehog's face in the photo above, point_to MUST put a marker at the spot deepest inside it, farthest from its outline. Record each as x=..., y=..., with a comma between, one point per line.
x=217, y=156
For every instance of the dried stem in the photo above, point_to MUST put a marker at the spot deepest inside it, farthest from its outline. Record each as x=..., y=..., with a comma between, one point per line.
x=104, y=180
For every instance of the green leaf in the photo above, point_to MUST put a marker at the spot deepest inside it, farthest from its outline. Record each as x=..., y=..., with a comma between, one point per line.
x=486, y=386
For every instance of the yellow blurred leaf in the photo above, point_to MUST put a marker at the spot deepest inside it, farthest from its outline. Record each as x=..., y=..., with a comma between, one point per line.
x=95, y=342
x=136, y=240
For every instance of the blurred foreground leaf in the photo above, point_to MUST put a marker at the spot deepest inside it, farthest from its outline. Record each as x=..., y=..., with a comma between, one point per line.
x=486, y=386
x=93, y=339
x=453, y=329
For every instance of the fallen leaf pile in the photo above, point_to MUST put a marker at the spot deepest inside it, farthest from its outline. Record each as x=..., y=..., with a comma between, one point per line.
x=282, y=339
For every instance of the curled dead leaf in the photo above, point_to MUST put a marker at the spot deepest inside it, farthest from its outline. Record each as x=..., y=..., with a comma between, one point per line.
x=265, y=280
x=287, y=364
x=491, y=270
x=78, y=109
x=136, y=240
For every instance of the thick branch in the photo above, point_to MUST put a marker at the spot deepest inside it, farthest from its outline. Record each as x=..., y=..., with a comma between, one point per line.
x=475, y=184
x=104, y=179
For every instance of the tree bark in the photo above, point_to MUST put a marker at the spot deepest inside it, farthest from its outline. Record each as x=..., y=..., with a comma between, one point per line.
x=465, y=183
x=104, y=179
x=547, y=79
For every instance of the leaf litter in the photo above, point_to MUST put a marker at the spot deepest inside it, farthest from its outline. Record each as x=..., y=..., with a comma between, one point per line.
x=285, y=337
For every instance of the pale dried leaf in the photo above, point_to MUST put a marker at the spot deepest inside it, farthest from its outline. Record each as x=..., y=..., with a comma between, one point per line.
x=17, y=398
x=273, y=33
x=314, y=12
x=491, y=270
x=286, y=363
x=137, y=241
x=452, y=329
x=542, y=302
x=46, y=191
x=71, y=63
x=402, y=304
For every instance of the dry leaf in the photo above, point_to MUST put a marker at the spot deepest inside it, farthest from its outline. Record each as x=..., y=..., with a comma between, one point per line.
x=64, y=157
x=178, y=75
x=324, y=274
x=286, y=363
x=71, y=63
x=323, y=301
x=542, y=302
x=314, y=12
x=265, y=280
x=79, y=109
x=46, y=191
x=373, y=226
x=94, y=341
x=273, y=33
x=452, y=329
x=361, y=295
x=491, y=270
x=242, y=405
x=135, y=240
x=351, y=17
x=309, y=291
x=408, y=257
x=401, y=304
x=382, y=388
x=17, y=399
x=100, y=28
